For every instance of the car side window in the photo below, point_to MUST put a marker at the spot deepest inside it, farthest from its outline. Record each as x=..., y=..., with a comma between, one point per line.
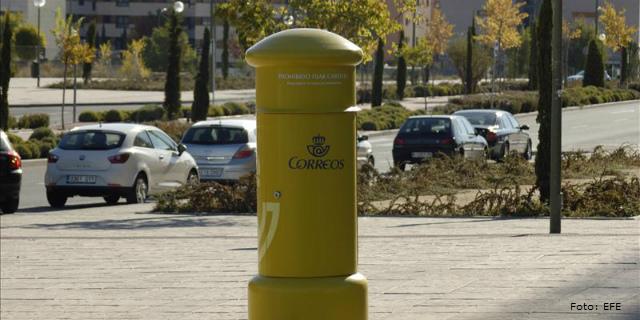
x=469, y=127
x=504, y=123
x=142, y=140
x=514, y=122
x=160, y=142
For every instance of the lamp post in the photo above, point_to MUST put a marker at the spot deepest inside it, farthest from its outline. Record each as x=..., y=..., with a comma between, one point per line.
x=597, y=14
x=212, y=21
x=38, y=4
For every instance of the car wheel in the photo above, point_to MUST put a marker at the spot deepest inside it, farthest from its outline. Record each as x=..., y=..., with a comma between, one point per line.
x=193, y=178
x=528, y=153
x=112, y=199
x=56, y=200
x=138, y=193
x=10, y=206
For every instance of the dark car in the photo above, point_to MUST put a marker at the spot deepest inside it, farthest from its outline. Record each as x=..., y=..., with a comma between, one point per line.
x=501, y=130
x=10, y=176
x=422, y=137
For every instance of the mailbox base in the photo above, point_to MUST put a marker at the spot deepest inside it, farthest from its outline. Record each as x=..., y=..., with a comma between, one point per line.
x=332, y=298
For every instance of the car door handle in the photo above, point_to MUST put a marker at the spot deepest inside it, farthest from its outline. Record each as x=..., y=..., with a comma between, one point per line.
x=161, y=157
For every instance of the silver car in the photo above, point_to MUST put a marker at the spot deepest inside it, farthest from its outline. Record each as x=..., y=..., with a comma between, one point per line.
x=364, y=152
x=225, y=149
x=116, y=160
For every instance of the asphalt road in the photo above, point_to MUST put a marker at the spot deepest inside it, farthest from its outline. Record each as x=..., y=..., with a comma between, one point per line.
x=583, y=129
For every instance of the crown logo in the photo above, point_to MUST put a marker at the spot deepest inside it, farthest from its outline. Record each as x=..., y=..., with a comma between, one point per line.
x=318, y=148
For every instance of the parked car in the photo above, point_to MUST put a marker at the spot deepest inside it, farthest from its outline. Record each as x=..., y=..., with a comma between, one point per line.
x=422, y=137
x=501, y=130
x=116, y=160
x=225, y=150
x=364, y=153
x=10, y=175
x=580, y=76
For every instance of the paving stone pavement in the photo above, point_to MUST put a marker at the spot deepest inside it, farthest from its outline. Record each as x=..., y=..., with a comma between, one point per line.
x=125, y=263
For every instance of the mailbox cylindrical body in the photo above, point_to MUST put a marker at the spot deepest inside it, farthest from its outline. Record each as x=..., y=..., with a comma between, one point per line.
x=307, y=222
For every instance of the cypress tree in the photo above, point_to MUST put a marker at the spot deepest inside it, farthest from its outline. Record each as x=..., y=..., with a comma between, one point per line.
x=401, y=75
x=5, y=73
x=91, y=41
x=633, y=67
x=543, y=157
x=623, y=66
x=533, y=58
x=172, y=83
x=200, y=106
x=469, y=70
x=225, y=48
x=594, y=69
x=376, y=88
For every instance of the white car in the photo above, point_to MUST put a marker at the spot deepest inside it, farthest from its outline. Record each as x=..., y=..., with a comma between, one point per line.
x=116, y=160
x=580, y=76
x=364, y=152
x=224, y=149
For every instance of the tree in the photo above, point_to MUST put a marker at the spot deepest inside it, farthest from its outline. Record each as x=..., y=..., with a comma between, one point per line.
x=517, y=63
x=104, y=59
x=72, y=50
x=133, y=67
x=5, y=72
x=499, y=27
x=468, y=73
x=577, y=48
x=200, y=106
x=155, y=53
x=482, y=60
x=545, y=92
x=438, y=35
x=594, y=69
x=91, y=41
x=533, y=58
x=634, y=62
x=420, y=55
x=225, y=49
x=618, y=34
x=376, y=87
x=570, y=32
x=401, y=74
x=172, y=83
x=26, y=42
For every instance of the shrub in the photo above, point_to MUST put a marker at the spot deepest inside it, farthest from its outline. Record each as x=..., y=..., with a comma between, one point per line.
x=14, y=139
x=215, y=111
x=12, y=123
x=45, y=147
x=41, y=133
x=237, y=108
x=147, y=113
x=175, y=128
x=23, y=150
x=89, y=116
x=33, y=121
x=113, y=116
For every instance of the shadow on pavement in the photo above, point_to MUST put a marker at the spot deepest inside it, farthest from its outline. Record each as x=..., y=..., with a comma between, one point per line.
x=137, y=223
x=44, y=209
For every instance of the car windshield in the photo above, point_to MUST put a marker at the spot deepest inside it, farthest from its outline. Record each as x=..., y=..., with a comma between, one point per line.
x=91, y=140
x=215, y=135
x=480, y=118
x=427, y=126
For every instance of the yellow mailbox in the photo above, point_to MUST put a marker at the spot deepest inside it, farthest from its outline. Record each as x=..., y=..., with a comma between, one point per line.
x=307, y=222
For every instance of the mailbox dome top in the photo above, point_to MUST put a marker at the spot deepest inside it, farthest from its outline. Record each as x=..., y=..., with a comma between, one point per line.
x=304, y=47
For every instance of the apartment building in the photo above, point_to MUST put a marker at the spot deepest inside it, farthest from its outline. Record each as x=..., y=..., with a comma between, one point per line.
x=30, y=14
x=412, y=31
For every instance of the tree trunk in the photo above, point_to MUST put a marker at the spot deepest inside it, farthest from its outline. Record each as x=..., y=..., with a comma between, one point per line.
x=64, y=91
x=623, y=67
x=376, y=89
x=75, y=89
x=543, y=156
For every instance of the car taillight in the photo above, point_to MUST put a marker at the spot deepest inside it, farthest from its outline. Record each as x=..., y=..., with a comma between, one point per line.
x=446, y=141
x=399, y=141
x=491, y=136
x=15, y=162
x=119, y=158
x=52, y=158
x=243, y=153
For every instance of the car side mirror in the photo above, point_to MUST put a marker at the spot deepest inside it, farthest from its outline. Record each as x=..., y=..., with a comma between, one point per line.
x=363, y=138
x=476, y=131
x=181, y=149
x=524, y=127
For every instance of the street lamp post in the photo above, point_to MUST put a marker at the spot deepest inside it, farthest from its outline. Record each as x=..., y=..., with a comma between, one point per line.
x=212, y=21
x=555, y=174
x=597, y=14
x=38, y=4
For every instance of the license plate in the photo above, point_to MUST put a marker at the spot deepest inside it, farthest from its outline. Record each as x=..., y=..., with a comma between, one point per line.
x=214, y=173
x=81, y=179
x=421, y=154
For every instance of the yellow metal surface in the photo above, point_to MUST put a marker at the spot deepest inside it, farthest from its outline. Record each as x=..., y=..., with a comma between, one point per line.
x=305, y=82
x=309, y=160
x=334, y=298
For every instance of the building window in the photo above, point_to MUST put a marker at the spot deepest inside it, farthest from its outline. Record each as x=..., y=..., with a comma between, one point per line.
x=122, y=3
x=122, y=21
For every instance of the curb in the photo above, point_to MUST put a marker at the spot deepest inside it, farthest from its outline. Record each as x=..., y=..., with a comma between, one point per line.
x=574, y=108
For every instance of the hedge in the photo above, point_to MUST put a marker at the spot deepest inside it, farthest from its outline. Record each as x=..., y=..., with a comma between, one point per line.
x=152, y=112
x=32, y=121
x=41, y=141
x=387, y=116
